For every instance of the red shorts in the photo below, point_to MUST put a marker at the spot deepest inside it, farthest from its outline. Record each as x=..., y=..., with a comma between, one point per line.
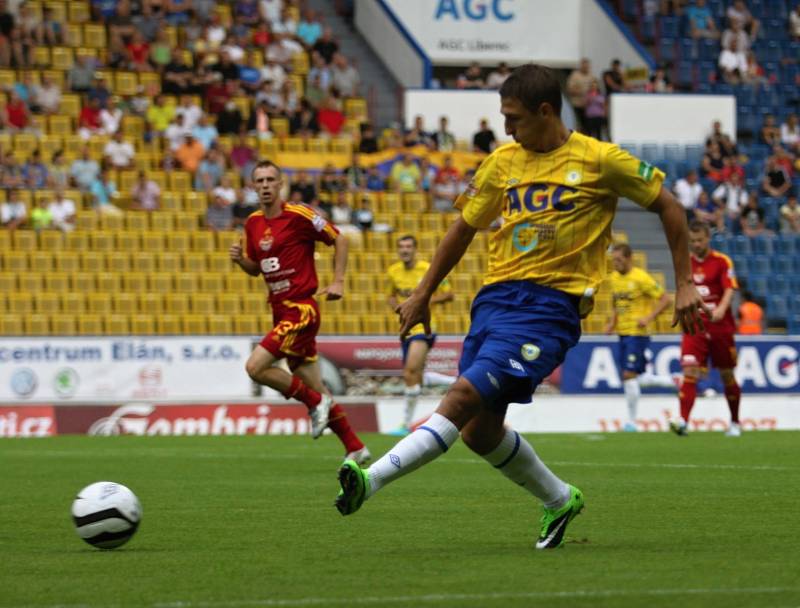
x=294, y=332
x=718, y=345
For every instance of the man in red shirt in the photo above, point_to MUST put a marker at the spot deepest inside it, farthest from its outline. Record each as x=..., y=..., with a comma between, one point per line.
x=279, y=244
x=713, y=275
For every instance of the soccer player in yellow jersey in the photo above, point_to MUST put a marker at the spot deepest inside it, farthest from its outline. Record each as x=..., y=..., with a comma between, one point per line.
x=554, y=192
x=403, y=277
x=634, y=293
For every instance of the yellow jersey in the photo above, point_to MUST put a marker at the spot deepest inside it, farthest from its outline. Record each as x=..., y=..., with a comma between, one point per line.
x=402, y=281
x=634, y=294
x=550, y=214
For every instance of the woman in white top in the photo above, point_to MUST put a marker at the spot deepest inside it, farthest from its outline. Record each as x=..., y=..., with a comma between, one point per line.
x=790, y=132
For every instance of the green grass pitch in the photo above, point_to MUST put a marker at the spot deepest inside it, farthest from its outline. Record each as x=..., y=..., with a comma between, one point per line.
x=240, y=522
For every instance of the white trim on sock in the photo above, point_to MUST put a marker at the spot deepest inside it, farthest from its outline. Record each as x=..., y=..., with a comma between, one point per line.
x=632, y=393
x=429, y=378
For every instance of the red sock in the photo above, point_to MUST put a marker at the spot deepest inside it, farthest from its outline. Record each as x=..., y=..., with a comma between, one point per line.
x=338, y=424
x=733, y=394
x=301, y=392
x=687, y=395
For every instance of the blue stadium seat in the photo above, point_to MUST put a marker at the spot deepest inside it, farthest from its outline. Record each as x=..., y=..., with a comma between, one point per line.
x=706, y=72
x=757, y=284
x=794, y=303
x=651, y=152
x=776, y=9
x=786, y=244
x=687, y=49
x=759, y=264
x=694, y=154
x=783, y=264
x=759, y=152
x=631, y=147
x=720, y=243
x=773, y=52
x=741, y=245
x=763, y=245
x=674, y=153
x=793, y=324
x=794, y=284
x=741, y=263
x=779, y=284
x=669, y=27
x=666, y=50
x=708, y=50
x=777, y=307
x=684, y=74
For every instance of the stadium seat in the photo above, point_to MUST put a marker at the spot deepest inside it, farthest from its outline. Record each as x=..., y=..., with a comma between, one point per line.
x=11, y=325
x=90, y=325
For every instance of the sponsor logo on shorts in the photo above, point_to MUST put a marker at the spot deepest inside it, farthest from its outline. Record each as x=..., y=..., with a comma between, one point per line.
x=530, y=352
x=516, y=365
x=632, y=358
x=493, y=380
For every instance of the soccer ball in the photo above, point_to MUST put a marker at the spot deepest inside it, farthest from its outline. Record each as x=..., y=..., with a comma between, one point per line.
x=106, y=514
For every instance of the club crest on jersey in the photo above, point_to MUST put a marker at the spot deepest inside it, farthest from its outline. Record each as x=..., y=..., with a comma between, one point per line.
x=698, y=277
x=530, y=352
x=573, y=177
x=472, y=189
x=512, y=182
x=319, y=223
x=265, y=244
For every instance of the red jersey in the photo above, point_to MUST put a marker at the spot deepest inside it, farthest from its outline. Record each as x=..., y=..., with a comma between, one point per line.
x=283, y=246
x=712, y=276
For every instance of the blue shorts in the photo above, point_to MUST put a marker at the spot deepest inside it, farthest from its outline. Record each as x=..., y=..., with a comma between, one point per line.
x=520, y=332
x=630, y=355
x=429, y=340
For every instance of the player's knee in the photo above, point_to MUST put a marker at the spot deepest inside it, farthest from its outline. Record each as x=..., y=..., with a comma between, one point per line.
x=692, y=373
x=628, y=375
x=412, y=376
x=253, y=368
x=481, y=440
x=727, y=376
x=461, y=403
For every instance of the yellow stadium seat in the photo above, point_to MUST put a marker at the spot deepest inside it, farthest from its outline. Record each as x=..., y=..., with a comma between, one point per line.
x=73, y=35
x=176, y=303
x=186, y=221
x=63, y=325
x=101, y=241
x=211, y=282
x=195, y=324
x=93, y=261
x=152, y=241
x=220, y=325
x=375, y=324
x=180, y=181
x=247, y=326
x=24, y=143
x=171, y=201
x=226, y=238
x=162, y=221
x=151, y=303
x=168, y=324
x=124, y=303
x=31, y=281
x=168, y=262
x=20, y=302
x=8, y=79
x=293, y=145
x=142, y=261
x=126, y=242
x=280, y=126
x=253, y=303
x=196, y=202
x=98, y=302
x=348, y=324
x=185, y=282
x=46, y=302
x=134, y=282
x=151, y=81
x=77, y=241
x=194, y=262
x=160, y=282
x=90, y=325
x=82, y=282
x=78, y=11
x=355, y=108
x=94, y=36
x=24, y=240
x=203, y=241
x=228, y=304
x=73, y=302
x=54, y=281
x=135, y=221
x=361, y=283
x=142, y=325
x=125, y=83
x=61, y=58
x=300, y=63
x=11, y=325
x=116, y=325
x=268, y=148
x=51, y=240
x=640, y=259
x=202, y=303
x=37, y=324
x=107, y=282
x=68, y=261
x=8, y=282
x=179, y=242
x=41, y=56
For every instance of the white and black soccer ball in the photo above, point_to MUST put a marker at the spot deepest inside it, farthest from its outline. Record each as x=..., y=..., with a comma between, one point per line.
x=106, y=514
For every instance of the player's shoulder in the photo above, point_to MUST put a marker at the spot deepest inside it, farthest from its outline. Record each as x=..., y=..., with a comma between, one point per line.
x=300, y=209
x=395, y=268
x=422, y=265
x=508, y=149
x=253, y=217
x=720, y=257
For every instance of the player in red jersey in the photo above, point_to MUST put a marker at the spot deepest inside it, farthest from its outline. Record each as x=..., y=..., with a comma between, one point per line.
x=280, y=241
x=714, y=277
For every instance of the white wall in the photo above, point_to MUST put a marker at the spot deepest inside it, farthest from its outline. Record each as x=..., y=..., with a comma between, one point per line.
x=681, y=119
x=388, y=42
x=464, y=109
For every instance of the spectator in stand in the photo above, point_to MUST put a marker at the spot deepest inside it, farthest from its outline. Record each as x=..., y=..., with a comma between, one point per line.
x=160, y=51
x=770, y=133
x=47, y=96
x=273, y=73
x=34, y=172
x=330, y=181
x=790, y=215
x=287, y=99
x=326, y=46
x=794, y=22
x=146, y=195
x=330, y=117
x=472, y=78
x=177, y=12
x=138, y=51
x=259, y=123
x=84, y=170
x=732, y=197
x=427, y=174
x=120, y=23
x=13, y=212
x=375, y=181
x=713, y=162
x=103, y=190
x=99, y=91
x=11, y=173
x=52, y=31
x=118, y=153
x=250, y=75
x=177, y=76
x=225, y=189
x=484, y=139
x=58, y=172
x=81, y=74
x=245, y=12
x=226, y=68
x=309, y=29
x=342, y=214
x=739, y=15
x=687, y=191
x=368, y=143
x=709, y=212
x=784, y=159
x=189, y=154
x=206, y=133
x=733, y=63
x=726, y=145
x=159, y=115
x=577, y=89
x=497, y=77
x=344, y=76
x=242, y=209
x=446, y=186
x=111, y=119
x=190, y=111
x=443, y=139
x=286, y=25
x=17, y=116
x=659, y=82
x=63, y=211
x=148, y=23
x=243, y=156
x=355, y=175
x=209, y=172
x=405, y=175
x=595, y=111
x=732, y=166
x=303, y=184
x=262, y=36
x=219, y=215
x=41, y=217
x=218, y=93
x=701, y=21
x=776, y=182
x=751, y=219
x=790, y=132
x=176, y=132
x=417, y=135
x=735, y=39
x=750, y=315
x=614, y=79
x=754, y=75
x=89, y=120
x=363, y=217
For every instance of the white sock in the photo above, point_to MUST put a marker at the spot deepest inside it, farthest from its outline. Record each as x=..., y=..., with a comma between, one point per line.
x=632, y=392
x=429, y=441
x=411, y=394
x=650, y=379
x=429, y=378
x=516, y=459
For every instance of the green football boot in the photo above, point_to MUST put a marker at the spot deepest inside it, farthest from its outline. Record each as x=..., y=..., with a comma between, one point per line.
x=555, y=521
x=354, y=481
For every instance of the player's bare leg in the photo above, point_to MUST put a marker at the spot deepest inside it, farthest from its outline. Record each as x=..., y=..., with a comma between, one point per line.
x=733, y=394
x=260, y=367
x=412, y=377
x=687, y=396
x=310, y=373
x=630, y=385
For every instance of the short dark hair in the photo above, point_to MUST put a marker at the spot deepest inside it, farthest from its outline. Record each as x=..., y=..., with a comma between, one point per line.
x=623, y=248
x=264, y=164
x=408, y=237
x=533, y=85
x=698, y=226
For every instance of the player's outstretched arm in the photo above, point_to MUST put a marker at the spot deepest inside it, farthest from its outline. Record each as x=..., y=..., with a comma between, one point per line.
x=335, y=290
x=688, y=302
x=236, y=253
x=416, y=309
